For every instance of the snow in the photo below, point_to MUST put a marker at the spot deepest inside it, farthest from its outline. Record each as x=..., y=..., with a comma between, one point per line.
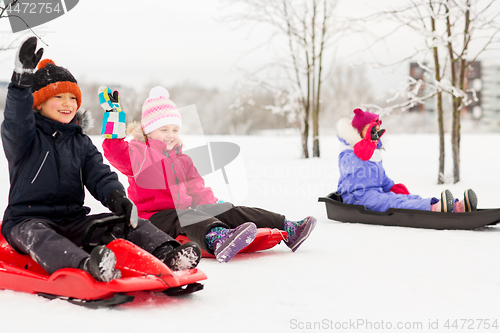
x=345, y=277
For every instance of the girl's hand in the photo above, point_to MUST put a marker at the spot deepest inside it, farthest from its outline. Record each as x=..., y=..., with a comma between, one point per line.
x=371, y=135
x=373, y=132
x=399, y=189
x=364, y=149
x=113, y=121
x=109, y=101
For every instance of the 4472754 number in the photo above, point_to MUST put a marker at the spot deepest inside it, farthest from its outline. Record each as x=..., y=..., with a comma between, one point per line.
x=34, y=8
x=471, y=324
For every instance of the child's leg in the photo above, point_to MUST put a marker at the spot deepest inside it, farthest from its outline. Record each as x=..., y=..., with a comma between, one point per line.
x=147, y=236
x=298, y=231
x=226, y=243
x=196, y=224
x=52, y=251
x=234, y=216
x=163, y=246
x=382, y=201
x=211, y=234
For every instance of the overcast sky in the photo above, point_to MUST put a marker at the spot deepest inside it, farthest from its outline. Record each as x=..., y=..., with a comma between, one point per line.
x=171, y=41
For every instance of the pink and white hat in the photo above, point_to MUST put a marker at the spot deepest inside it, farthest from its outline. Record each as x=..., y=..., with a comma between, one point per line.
x=158, y=110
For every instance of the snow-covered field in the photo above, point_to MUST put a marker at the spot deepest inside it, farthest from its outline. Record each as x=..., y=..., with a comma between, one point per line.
x=346, y=277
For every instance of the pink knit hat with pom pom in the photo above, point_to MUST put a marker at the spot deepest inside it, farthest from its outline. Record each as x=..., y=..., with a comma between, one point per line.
x=362, y=118
x=158, y=110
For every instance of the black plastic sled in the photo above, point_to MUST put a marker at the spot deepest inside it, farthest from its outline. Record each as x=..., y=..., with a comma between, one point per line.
x=412, y=218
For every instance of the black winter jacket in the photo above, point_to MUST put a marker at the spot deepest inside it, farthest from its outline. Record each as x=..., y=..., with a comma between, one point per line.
x=49, y=165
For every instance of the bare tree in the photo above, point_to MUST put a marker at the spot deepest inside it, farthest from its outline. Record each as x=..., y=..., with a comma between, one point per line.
x=447, y=29
x=308, y=28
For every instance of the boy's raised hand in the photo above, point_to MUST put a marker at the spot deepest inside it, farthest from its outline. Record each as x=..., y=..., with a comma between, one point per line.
x=25, y=64
x=113, y=121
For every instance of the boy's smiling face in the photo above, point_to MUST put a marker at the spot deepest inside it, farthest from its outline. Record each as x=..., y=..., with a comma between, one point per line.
x=168, y=134
x=61, y=107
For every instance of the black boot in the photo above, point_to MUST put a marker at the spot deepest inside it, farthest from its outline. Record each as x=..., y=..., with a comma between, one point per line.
x=101, y=264
x=185, y=256
x=447, y=201
x=470, y=201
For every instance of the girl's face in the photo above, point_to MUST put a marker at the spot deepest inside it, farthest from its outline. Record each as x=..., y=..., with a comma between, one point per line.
x=61, y=107
x=168, y=134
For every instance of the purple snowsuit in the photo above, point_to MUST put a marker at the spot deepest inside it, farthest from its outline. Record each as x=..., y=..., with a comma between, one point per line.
x=365, y=182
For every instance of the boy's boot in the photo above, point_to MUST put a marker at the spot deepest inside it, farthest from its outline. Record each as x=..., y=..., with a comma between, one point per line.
x=446, y=204
x=298, y=231
x=469, y=204
x=101, y=264
x=185, y=256
x=227, y=242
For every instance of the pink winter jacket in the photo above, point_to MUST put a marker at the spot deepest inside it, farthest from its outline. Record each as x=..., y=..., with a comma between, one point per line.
x=158, y=179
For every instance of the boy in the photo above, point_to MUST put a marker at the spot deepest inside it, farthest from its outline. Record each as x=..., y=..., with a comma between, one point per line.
x=50, y=162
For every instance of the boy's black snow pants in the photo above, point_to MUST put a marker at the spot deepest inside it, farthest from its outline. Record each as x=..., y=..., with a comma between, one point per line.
x=57, y=245
x=196, y=222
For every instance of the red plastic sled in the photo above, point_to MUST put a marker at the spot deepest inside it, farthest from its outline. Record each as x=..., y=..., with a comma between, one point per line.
x=266, y=238
x=141, y=271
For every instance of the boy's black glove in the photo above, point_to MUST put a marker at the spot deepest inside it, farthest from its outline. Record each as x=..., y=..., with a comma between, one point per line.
x=119, y=204
x=26, y=61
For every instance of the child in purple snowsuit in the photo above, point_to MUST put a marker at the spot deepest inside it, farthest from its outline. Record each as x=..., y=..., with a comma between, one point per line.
x=362, y=176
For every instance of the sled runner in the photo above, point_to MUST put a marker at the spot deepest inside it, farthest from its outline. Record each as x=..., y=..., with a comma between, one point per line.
x=141, y=271
x=266, y=238
x=339, y=211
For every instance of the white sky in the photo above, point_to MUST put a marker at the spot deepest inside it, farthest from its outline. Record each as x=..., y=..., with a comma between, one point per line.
x=171, y=41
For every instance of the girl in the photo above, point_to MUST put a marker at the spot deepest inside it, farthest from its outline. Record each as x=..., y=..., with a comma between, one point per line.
x=362, y=177
x=51, y=162
x=169, y=191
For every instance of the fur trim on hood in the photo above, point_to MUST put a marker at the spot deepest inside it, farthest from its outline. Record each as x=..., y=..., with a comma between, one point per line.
x=85, y=120
x=346, y=132
x=135, y=129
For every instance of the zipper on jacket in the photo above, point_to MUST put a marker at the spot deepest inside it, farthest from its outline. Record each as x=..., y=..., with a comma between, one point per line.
x=40, y=168
x=176, y=180
x=81, y=178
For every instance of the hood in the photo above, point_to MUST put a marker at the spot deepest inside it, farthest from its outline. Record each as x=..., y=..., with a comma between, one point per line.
x=85, y=120
x=346, y=132
x=135, y=129
x=349, y=136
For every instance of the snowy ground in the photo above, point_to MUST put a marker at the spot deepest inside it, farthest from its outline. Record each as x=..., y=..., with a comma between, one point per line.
x=346, y=277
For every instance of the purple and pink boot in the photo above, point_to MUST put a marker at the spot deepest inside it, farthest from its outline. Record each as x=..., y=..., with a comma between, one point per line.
x=298, y=231
x=227, y=242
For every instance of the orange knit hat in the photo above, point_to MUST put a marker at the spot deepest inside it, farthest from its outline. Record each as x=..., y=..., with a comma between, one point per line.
x=50, y=80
